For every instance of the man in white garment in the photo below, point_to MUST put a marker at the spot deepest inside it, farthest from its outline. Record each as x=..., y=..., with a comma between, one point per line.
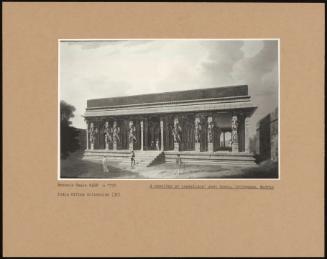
x=105, y=164
x=178, y=163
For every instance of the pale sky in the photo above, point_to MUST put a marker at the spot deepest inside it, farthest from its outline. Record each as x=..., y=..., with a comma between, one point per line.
x=100, y=69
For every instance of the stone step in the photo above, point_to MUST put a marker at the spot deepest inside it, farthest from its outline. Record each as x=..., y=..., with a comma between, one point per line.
x=147, y=158
x=212, y=158
x=206, y=158
x=144, y=158
x=205, y=154
x=222, y=163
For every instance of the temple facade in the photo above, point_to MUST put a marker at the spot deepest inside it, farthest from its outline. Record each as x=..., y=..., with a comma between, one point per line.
x=206, y=122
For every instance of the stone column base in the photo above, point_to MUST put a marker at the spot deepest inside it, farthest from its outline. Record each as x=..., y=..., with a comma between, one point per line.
x=92, y=146
x=235, y=147
x=176, y=146
x=210, y=147
x=197, y=147
x=114, y=146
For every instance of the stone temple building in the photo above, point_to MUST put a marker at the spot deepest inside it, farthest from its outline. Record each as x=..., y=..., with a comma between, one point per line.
x=203, y=126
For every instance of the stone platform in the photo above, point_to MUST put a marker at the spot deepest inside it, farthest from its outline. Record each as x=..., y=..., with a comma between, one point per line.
x=123, y=157
x=209, y=158
x=149, y=158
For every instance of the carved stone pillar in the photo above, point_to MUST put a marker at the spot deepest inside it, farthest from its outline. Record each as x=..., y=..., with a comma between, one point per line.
x=210, y=134
x=224, y=139
x=141, y=122
x=197, y=134
x=92, y=135
x=87, y=134
x=131, y=135
x=234, y=134
x=106, y=135
x=146, y=134
x=246, y=133
x=161, y=134
x=176, y=134
x=115, y=137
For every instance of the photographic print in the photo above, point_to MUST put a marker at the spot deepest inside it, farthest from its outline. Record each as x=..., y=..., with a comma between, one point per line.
x=169, y=109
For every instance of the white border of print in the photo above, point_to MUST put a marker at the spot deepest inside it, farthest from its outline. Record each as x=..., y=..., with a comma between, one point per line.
x=163, y=179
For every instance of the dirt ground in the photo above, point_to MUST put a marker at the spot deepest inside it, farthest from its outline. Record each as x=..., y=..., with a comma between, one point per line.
x=75, y=167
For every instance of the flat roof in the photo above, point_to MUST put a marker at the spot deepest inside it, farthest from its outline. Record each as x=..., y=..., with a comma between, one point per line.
x=207, y=93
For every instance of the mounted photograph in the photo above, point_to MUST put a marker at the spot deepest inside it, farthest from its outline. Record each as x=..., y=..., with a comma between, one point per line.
x=168, y=109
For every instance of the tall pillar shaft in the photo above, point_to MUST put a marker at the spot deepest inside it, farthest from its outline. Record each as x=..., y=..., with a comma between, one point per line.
x=197, y=134
x=234, y=134
x=224, y=139
x=247, y=131
x=161, y=134
x=106, y=135
x=142, y=134
x=210, y=134
x=87, y=135
x=146, y=132
x=92, y=135
x=176, y=133
x=114, y=137
x=131, y=135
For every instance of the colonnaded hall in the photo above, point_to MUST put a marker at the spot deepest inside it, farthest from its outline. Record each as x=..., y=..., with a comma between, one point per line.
x=200, y=126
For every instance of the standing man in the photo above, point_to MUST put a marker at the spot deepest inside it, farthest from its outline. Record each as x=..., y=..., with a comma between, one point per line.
x=157, y=145
x=132, y=159
x=178, y=163
x=105, y=165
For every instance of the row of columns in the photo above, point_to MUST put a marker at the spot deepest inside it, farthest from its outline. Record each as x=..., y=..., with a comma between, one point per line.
x=132, y=135
x=113, y=134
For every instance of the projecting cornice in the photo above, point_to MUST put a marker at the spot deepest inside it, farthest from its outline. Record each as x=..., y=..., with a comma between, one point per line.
x=171, y=97
x=213, y=104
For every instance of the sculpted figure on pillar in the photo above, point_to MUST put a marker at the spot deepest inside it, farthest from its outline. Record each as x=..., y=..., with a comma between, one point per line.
x=93, y=132
x=210, y=130
x=87, y=133
x=197, y=130
x=176, y=131
x=115, y=133
x=234, y=129
x=131, y=132
x=107, y=133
